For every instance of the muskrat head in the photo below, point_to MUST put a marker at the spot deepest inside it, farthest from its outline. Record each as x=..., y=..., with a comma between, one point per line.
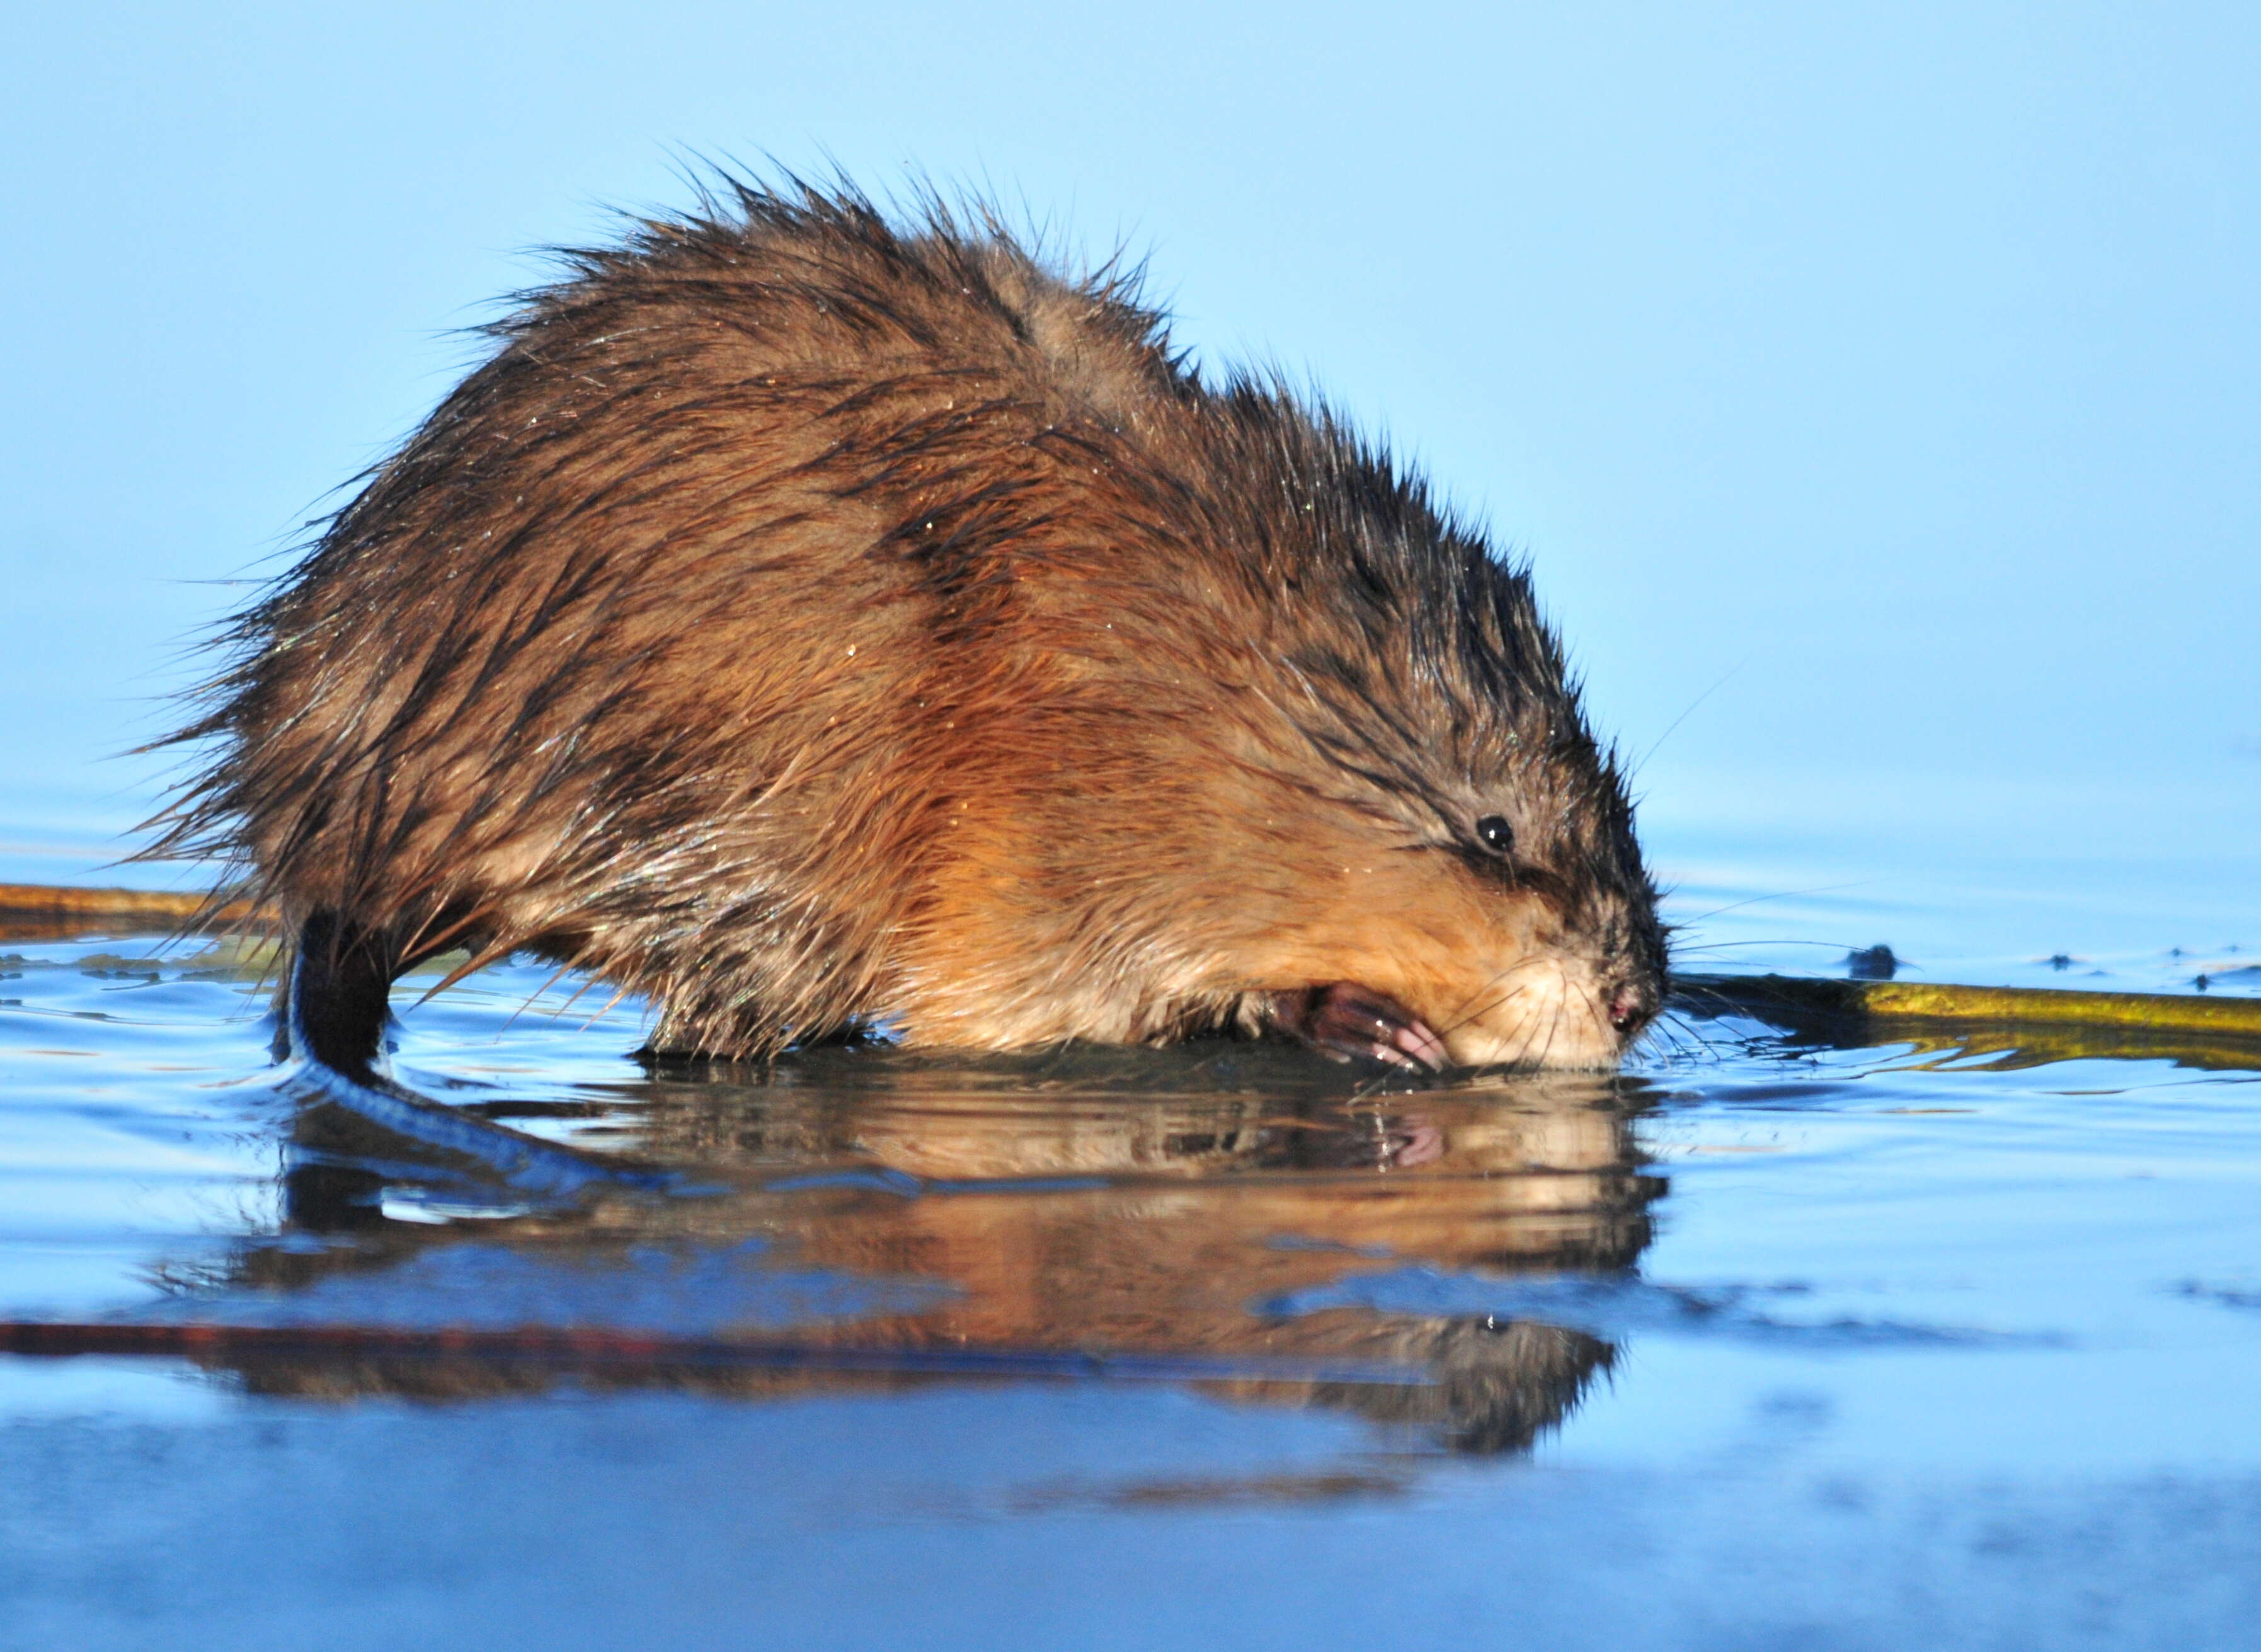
x=1444, y=834
x=1513, y=926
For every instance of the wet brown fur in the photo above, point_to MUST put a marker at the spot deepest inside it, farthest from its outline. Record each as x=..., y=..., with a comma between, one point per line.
x=806, y=620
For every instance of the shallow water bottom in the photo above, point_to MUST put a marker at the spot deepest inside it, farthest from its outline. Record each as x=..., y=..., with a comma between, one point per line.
x=1764, y=1344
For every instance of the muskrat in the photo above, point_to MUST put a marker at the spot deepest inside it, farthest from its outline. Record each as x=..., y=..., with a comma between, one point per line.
x=817, y=621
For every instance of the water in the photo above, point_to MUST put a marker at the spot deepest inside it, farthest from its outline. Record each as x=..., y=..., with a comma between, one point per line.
x=1872, y=390
x=1765, y=1343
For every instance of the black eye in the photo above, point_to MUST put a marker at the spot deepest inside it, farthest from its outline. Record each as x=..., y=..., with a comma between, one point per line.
x=1497, y=835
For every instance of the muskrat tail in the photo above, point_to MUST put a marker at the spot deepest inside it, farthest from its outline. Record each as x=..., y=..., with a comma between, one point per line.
x=339, y=993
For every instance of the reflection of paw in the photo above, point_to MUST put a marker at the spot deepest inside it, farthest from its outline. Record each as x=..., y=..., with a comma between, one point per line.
x=1346, y=1020
x=1414, y=1141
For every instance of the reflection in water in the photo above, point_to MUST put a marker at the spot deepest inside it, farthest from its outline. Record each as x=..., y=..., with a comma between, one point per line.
x=858, y=1217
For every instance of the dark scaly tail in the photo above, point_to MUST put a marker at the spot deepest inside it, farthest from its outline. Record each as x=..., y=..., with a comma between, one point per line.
x=340, y=984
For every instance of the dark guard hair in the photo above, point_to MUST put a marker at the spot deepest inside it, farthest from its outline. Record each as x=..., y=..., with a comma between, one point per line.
x=806, y=620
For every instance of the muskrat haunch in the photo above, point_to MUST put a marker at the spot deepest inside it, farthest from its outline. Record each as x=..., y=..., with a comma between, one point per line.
x=812, y=621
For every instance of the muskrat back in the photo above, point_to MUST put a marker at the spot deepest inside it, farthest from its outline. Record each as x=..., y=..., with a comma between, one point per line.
x=810, y=621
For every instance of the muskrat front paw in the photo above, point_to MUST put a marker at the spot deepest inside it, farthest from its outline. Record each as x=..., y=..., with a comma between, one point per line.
x=1345, y=1020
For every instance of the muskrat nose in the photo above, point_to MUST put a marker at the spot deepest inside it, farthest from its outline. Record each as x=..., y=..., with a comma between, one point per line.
x=1630, y=1006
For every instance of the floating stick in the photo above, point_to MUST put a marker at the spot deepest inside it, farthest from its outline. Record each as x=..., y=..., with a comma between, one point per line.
x=585, y=1349
x=2044, y=1023
x=50, y=912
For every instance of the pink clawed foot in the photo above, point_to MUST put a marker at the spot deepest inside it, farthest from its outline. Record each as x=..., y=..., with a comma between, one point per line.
x=1346, y=1020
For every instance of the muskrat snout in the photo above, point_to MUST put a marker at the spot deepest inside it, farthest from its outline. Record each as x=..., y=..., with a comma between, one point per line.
x=1633, y=1006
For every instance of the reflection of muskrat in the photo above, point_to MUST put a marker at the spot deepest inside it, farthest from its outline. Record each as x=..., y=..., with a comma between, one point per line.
x=808, y=623
x=1200, y=1211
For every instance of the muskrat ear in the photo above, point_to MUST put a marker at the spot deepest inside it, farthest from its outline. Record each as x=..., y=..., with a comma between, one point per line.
x=1497, y=835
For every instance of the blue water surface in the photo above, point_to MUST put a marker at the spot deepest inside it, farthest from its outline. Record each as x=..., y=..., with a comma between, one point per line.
x=1767, y=1344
